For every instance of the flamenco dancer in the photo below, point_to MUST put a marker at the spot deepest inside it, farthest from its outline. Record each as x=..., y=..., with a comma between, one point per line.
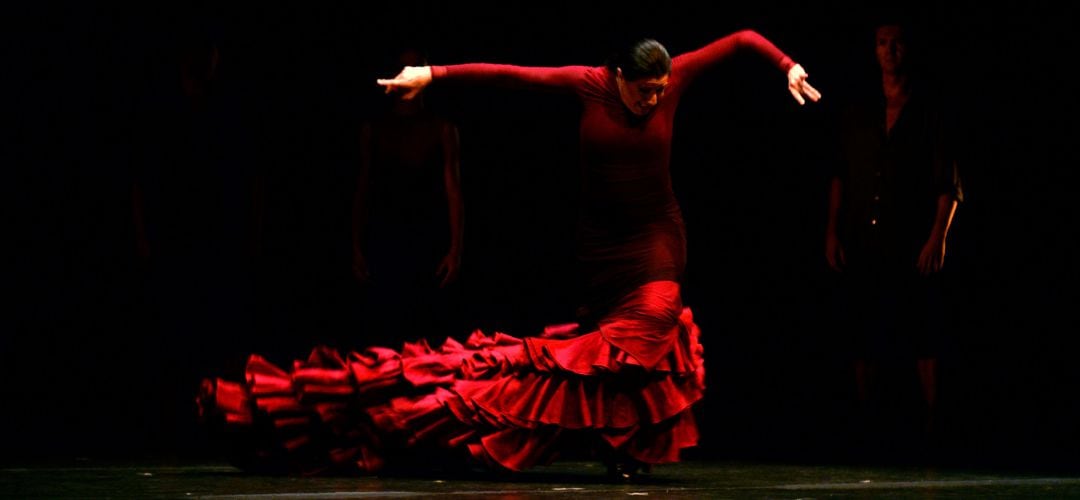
x=621, y=381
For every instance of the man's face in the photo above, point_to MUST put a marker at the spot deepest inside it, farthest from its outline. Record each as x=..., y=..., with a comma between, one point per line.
x=890, y=48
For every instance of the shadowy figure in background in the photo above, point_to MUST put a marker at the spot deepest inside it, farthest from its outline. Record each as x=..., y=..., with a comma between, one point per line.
x=891, y=203
x=408, y=220
x=195, y=205
x=621, y=384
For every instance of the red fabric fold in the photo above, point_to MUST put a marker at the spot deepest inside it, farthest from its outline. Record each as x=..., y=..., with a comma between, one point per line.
x=502, y=399
x=645, y=324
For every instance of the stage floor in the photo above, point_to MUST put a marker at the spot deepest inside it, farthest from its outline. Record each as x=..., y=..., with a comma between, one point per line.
x=694, y=479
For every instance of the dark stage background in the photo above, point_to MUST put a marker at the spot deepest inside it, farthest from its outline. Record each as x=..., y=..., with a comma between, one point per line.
x=101, y=351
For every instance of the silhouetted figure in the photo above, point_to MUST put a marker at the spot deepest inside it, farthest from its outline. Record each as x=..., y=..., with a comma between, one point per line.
x=622, y=383
x=408, y=221
x=891, y=204
x=194, y=204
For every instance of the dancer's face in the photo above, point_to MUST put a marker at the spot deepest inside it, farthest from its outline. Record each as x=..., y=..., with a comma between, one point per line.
x=642, y=95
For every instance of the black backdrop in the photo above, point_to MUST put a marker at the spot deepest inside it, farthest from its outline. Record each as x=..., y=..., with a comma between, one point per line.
x=87, y=360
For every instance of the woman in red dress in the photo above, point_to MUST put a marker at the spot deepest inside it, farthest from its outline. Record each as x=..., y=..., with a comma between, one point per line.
x=621, y=381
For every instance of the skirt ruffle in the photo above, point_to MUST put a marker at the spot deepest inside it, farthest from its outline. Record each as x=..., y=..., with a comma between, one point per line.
x=503, y=401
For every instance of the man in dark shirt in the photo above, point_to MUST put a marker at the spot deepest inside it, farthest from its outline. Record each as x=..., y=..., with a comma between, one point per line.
x=891, y=203
x=195, y=195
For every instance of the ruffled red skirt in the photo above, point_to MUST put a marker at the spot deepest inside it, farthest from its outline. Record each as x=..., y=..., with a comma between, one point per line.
x=504, y=401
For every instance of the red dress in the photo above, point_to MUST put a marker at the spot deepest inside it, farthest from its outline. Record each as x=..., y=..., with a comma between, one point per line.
x=627, y=384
